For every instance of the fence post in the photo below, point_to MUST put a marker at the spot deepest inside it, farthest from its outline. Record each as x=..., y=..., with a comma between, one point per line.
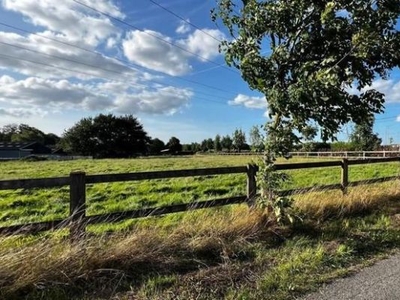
x=345, y=175
x=251, y=184
x=77, y=208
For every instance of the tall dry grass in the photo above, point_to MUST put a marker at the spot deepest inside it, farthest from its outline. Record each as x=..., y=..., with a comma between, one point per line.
x=203, y=237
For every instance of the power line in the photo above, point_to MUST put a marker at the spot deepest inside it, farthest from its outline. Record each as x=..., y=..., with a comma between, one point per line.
x=88, y=74
x=153, y=35
x=117, y=59
x=92, y=66
x=184, y=20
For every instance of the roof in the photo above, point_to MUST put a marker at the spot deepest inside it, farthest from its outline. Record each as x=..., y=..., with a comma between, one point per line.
x=15, y=145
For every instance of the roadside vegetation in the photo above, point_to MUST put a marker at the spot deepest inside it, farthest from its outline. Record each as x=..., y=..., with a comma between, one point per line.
x=221, y=253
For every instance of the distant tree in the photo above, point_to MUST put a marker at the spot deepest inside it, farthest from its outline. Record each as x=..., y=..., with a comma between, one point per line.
x=256, y=139
x=196, y=147
x=204, y=146
x=210, y=144
x=227, y=143
x=217, y=143
x=106, y=136
x=26, y=133
x=364, y=138
x=51, y=139
x=239, y=139
x=309, y=134
x=174, y=145
x=155, y=146
x=7, y=131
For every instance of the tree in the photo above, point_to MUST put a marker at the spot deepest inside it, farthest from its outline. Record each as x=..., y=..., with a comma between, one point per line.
x=155, y=146
x=106, y=136
x=210, y=144
x=256, y=139
x=204, y=145
x=26, y=133
x=51, y=139
x=363, y=137
x=7, y=131
x=318, y=51
x=227, y=143
x=217, y=143
x=239, y=139
x=174, y=145
x=314, y=61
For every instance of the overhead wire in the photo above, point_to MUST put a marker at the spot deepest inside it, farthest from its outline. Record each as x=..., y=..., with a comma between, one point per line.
x=115, y=58
x=89, y=74
x=154, y=36
x=93, y=66
x=184, y=20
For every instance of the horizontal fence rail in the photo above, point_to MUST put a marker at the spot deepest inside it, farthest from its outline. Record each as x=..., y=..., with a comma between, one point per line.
x=77, y=181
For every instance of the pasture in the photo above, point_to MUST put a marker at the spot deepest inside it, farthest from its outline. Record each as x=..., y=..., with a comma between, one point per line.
x=220, y=253
x=26, y=206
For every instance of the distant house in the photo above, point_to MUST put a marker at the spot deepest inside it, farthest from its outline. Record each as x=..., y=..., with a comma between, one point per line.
x=15, y=150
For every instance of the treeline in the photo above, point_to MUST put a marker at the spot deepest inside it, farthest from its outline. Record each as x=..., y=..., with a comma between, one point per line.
x=103, y=136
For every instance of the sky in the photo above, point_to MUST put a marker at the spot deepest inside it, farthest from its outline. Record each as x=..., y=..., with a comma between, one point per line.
x=61, y=61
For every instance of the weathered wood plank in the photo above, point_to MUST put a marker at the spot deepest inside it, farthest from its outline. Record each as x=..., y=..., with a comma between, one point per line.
x=307, y=165
x=373, y=160
x=33, y=183
x=33, y=228
x=163, y=174
x=147, y=212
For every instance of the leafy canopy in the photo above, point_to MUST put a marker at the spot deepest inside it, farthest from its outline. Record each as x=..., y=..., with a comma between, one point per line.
x=106, y=136
x=312, y=59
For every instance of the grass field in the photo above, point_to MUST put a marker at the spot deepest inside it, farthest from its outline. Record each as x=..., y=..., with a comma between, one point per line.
x=24, y=206
x=222, y=253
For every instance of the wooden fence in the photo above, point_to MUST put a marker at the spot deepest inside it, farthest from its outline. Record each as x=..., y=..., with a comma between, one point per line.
x=77, y=181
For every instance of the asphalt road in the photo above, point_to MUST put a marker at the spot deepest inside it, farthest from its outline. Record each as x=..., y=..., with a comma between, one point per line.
x=378, y=282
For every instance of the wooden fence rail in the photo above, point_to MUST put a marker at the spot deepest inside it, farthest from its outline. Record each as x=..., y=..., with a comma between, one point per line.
x=77, y=181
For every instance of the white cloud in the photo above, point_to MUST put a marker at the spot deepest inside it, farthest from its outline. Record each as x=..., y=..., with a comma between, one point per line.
x=143, y=48
x=61, y=56
x=148, y=49
x=168, y=100
x=204, y=45
x=249, y=102
x=56, y=95
x=73, y=21
x=183, y=27
x=22, y=112
x=390, y=88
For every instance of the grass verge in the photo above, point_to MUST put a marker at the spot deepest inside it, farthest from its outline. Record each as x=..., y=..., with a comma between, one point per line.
x=225, y=253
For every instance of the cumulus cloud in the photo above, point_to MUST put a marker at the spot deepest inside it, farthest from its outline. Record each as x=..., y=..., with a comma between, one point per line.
x=36, y=55
x=249, y=102
x=390, y=88
x=56, y=95
x=73, y=21
x=148, y=49
x=183, y=27
x=204, y=45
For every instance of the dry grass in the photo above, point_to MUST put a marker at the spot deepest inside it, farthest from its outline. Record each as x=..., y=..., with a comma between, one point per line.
x=200, y=243
x=359, y=200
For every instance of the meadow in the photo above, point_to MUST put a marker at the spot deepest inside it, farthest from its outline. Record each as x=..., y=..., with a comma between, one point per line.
x=221, y=253
x=25, y=206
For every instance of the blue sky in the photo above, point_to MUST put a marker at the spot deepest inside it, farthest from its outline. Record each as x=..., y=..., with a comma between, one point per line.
x=165, y=72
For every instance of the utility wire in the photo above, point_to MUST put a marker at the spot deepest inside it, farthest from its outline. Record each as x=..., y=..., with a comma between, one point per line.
x=184, y=20
x=92, y=66
x=88, y=74
x=115, y=58
x=154, y=36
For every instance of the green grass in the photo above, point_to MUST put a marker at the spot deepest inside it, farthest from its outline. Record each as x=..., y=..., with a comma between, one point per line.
x=220, y=253
x=25, y=206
